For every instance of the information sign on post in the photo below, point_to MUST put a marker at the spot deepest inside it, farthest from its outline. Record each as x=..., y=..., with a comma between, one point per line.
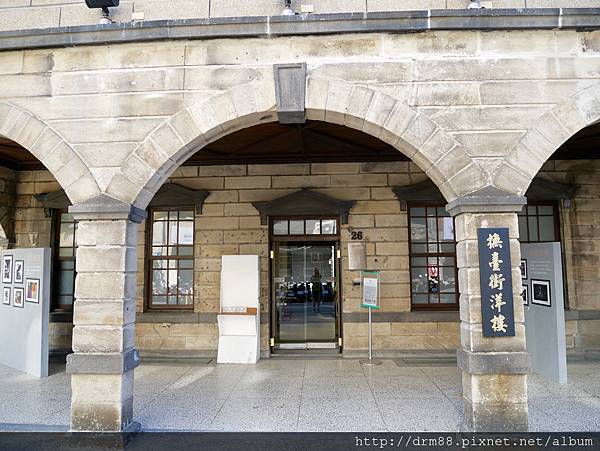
x=370, y=300
x=370, y=289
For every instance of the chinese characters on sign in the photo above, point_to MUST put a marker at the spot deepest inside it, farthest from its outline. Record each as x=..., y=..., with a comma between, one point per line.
x=495, y=268
x=370, y=289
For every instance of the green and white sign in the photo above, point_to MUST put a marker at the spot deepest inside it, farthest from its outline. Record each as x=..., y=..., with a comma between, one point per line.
x=370, y=289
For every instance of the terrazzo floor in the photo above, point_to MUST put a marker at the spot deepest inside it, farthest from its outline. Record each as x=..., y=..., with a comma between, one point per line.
x=291, y=394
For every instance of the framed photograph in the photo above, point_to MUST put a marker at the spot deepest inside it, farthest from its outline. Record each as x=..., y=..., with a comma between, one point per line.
x=7, y=268
x=540, y=293
x=32, y=291
x=523, y=268
x=6, y=296
x=18, y=300
x=19, y=269
x=525, y=294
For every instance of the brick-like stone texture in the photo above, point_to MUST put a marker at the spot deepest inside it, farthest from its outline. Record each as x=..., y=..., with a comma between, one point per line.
x=230, y=224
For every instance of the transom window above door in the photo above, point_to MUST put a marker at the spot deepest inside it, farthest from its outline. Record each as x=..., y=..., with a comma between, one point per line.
x=305, y=226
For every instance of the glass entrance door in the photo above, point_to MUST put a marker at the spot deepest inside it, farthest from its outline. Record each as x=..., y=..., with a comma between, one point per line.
x=305, y=292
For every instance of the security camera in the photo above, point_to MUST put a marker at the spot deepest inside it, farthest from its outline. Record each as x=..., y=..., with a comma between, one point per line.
x=104, y=4
x=101, y=3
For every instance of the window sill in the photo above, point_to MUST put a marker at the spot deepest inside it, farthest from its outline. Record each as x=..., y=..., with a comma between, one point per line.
x=404, y=317
x=61, y=317
x=181, y=317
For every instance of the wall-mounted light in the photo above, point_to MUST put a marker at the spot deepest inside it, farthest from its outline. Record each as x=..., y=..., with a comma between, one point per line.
x=104, y=4
x=288, y=11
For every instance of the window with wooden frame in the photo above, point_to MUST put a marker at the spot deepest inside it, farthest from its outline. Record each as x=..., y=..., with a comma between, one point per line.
x=433, y=271
x=65, y=247
x=538, y=222
x=170, y=261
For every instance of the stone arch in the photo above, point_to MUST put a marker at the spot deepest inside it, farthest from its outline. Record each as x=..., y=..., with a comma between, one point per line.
x=50, y=149
x=538, y=144
x=356, y=106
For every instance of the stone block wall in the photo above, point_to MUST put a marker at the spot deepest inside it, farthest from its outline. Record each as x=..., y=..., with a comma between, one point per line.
x=8, y=185
x=32, y=227
x=229, y=224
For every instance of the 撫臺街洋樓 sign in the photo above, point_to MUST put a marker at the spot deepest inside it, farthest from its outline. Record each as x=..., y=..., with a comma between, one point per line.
x=370, y=289
x=495, y=270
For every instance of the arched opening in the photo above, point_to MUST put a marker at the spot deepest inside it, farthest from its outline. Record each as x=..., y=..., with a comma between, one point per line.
x=295, y=195
x=28, y=227
x=559, y=263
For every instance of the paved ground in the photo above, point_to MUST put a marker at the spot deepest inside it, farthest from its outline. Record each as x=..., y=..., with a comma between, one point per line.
x=301, y=395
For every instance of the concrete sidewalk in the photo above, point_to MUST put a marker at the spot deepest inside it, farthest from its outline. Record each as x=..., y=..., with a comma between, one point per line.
x=300, y=395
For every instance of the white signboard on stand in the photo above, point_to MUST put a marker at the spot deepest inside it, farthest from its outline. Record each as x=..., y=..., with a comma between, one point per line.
x=542, y=288
x=25, y=310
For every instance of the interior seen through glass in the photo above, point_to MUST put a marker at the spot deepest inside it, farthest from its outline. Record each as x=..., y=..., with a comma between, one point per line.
x=305, y=291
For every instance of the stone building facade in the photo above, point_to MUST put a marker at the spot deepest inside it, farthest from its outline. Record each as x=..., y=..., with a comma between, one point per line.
x=477, y=102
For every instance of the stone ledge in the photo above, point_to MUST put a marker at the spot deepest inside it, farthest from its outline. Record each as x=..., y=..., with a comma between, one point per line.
x=106, y=207
x=102, y=363
x=402, y=317
x=314, y=24
x=571, y=315
x=493, y=362
x=184, y=317
x=487, y=200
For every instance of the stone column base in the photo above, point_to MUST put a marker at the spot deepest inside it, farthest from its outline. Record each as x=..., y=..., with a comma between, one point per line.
x=494, y=390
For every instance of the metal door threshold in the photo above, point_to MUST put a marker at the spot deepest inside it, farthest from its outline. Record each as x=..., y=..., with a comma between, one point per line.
x=306, y=353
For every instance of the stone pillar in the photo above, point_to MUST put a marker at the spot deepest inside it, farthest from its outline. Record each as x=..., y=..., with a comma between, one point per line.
x=104, y=356
x=494, y=369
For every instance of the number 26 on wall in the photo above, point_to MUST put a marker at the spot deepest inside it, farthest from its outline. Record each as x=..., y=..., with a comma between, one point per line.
x=354, y=235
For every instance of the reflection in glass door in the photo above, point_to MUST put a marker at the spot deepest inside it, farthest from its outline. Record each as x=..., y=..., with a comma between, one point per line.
x=305, y=293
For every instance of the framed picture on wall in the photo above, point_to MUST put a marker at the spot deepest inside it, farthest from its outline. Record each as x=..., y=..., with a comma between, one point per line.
x=19, y=269
x=525, y=294
x=32, y=291
x=7, y=268
x=540, y=293
x=6, y=296
x=523, y=268
x=18, y=300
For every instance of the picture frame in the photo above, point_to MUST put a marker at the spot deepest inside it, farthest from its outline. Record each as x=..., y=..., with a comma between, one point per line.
x=18, y=297
x=525, y=294
x=19, y=268
x=6, y=296
x=7, y=268
x=523, y=268
x=32, y=291
x=541, y=293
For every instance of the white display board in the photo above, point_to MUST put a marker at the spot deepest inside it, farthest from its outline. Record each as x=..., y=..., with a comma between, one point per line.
x=240, y=281
x=542, y=279
x=25, y=310
x=239, y=329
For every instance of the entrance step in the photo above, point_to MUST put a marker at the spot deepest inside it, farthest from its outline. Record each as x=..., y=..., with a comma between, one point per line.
x=307, y=353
